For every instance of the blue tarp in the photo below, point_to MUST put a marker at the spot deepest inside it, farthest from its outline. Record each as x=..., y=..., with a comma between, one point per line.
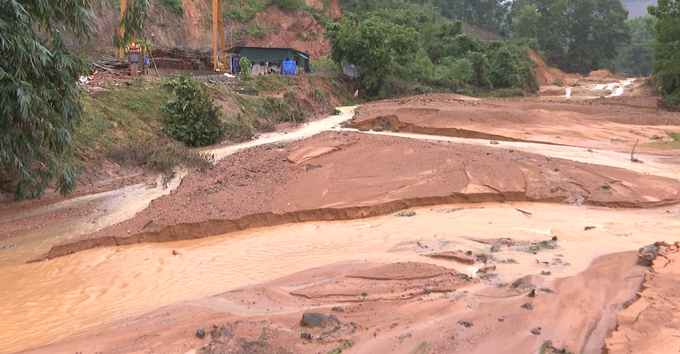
x=288, y=67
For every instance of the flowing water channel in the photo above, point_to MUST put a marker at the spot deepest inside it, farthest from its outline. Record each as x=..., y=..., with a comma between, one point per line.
x=48, y=301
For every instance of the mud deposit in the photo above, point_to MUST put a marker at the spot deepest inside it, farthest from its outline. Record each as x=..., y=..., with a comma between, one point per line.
x=331, y=176
x=455, y=225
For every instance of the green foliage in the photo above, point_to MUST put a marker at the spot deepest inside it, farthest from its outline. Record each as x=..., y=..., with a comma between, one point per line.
x=132, y=22
x=39, y=98
x=269, y=83
x=365, y=44
x=191, y=117
x=175, y=6
x=667, y=51
x=244, y=10
x=244, y=64
x=636, y=58
x=558, y=82
x=256, y=31
x=417, y=51
x=288, y=5
x=674, y=136
x=576, y=35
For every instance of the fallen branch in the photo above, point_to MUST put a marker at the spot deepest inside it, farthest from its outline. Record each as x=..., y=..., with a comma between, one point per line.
x=524, y=212
x=634, y=159
x=104, y=67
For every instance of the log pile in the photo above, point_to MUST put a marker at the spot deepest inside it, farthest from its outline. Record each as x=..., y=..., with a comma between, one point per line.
x=111, y=64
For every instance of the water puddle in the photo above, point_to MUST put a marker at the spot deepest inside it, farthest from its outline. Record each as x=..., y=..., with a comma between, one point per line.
x=71, y=294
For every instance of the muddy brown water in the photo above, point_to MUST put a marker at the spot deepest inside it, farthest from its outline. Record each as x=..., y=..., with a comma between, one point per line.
x=48, y=301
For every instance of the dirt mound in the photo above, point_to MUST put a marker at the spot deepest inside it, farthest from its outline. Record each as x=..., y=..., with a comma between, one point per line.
x=548, y=76
x=651, y=324
x=260, y=187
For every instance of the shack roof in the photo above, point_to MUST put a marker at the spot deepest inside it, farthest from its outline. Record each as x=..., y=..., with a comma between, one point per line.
x=237, y=48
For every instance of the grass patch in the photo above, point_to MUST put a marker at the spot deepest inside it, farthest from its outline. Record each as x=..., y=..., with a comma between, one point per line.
x=558, y=82
x=506, y=92
x=263, y=114
x=161, y=155
x=420, y=349
x=674, y=136
x=269, y=83
x=344, y=345
x=123, y=125
x=543, y=245
x=521, y=283
x=107, y=119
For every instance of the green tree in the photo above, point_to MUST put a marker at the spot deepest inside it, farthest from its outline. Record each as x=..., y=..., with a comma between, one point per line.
x=667, y=51
x=636, y=59
x=576, y=35
x=364, y=44
x=39, y=97
x=132, y=22
x=191, y=117
x=528, y=24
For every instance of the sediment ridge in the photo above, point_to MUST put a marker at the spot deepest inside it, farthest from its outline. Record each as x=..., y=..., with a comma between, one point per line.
x=338, y=180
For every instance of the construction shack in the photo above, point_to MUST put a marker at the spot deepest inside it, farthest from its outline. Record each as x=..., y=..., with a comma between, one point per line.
x=269, y=60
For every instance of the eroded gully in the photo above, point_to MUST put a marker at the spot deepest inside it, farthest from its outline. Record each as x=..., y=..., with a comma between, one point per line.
x=69, y=295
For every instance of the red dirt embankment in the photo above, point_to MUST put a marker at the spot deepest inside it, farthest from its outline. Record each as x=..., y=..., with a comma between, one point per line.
x=547, y=76
x=651, y=324
x=332, y=177
x=390, y=308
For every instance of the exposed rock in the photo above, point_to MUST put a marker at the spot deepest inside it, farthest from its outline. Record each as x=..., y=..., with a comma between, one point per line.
x=337, y=309
x=200, y=333
x=404, y=335
x=306, y=336
x=457, y=256
x=528, y=306
x=495, y=248
x=314, y=319
x=465, y=323
x=536, y=330
x=648, y=254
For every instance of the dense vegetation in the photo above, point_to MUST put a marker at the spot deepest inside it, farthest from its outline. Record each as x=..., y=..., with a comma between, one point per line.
x=667, y=52
x=575, y=35
x=191, y=117
x=635, y=58
x=403, y=48
x=39, y=97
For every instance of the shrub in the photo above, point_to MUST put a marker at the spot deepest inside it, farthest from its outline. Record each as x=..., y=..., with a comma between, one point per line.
x=191, y=118
x=256, y=31
x=175, y=6
x=558, y=82
x=288, y=5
